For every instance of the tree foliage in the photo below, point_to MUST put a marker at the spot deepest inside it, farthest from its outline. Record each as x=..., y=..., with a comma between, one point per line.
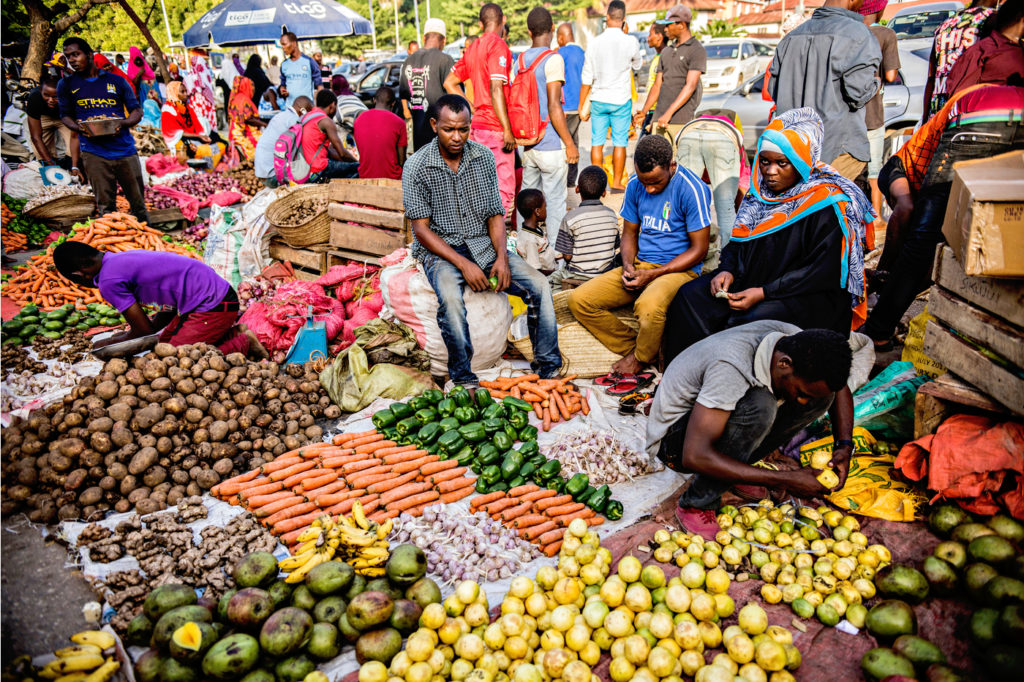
x=107, y=28
x=721, y=28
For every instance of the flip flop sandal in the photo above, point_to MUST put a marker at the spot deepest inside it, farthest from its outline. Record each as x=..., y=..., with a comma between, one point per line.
x=609, y=379
x=635, y=402
x=630, y=383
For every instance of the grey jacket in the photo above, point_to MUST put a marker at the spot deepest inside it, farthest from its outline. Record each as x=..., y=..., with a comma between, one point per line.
x=829, y=63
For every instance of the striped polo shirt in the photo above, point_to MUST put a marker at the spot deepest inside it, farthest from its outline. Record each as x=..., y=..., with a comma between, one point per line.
x=590, y=236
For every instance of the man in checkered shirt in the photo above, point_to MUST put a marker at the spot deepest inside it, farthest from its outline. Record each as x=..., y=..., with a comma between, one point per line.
x=450, y=192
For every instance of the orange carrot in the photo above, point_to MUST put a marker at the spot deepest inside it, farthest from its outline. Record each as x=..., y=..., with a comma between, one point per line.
x=392, y=483
x=323, y=479
x=564, y=509
x=456, y=495
x=291, y=537
x=566, y=519
x=415, y=500
x=369, y=502
x=584, y=405
x=382, y=515
x=560, y=404
x=399, y=454
x=541, y=505
x=293, y=522
x=365, y=480
x=547, y=419
x=290, y=512
x=333, y=487
x=372, y=438
x=231, y=485
x=514, y=512
x=538, y=410
x=298, y=478
x=274, y=507
x=340, y=461
x=261, y=500
x=538, y=495
x=414, y=464
x=498, y=505
x=595, y=520
x=481, y=500
x=378, y=469
x=516, y=392
x=453, y=485
x=550, y=536
x=409, y=489
x=314, y=450
x=324, y=501
x=521, y=490
x=526, y=386
x=282, y=474
x=260, y=490
x=552, y=549
x=435, y=467
x=527, y=520
x=353, y=467
x=343, y=438
x=524, y=377
x=534, y=532
x=376, y=445
x=442, y=476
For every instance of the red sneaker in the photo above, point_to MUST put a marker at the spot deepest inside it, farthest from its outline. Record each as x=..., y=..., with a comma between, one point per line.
x=751, y=493
x=699, y=521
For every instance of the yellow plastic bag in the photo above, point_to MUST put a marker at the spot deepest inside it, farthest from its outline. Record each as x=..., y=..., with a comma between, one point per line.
x=913, y=347
x=870, y=489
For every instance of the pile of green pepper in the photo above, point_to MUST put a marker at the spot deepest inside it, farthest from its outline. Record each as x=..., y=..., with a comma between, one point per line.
x=480, y=433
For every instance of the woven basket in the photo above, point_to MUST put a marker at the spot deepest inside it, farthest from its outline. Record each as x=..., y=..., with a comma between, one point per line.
x=316, y=230
x=582, y=353
x=68, y=208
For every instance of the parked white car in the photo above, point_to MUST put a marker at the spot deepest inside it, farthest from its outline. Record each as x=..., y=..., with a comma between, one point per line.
x=731, y=61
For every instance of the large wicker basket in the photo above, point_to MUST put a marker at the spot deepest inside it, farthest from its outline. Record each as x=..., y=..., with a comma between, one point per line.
x=316, y=230
x=582, y=353
x=65, y=209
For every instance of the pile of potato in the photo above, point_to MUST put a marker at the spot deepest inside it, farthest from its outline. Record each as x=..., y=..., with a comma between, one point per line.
x=245, y=175
x=149, y=431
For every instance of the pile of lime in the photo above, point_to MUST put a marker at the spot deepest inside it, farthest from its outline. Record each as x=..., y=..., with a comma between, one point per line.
x=30, y=322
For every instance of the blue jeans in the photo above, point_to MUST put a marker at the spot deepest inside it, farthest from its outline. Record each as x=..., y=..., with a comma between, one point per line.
x=336, y=169
x=527, y=283
x=715, y=151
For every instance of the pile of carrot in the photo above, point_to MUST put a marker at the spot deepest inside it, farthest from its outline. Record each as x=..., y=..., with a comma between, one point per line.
x=537, y=514
x=6, y=214
x=553, y=400
x=289, y=493
x=12, y=241
x=40, y=283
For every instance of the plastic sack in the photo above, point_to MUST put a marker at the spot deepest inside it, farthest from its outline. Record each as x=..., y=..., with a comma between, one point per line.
x=885, y=405
x=410, y=298
x=254, y=255
x=159, y=165
x=863, y=360
x=976, y=461
x=224, y=242
x=24, y=182
x=352, y=385
x=276, y=321
x=913, y=347
x=187, y=203
x=870, y=489
x=225, y=198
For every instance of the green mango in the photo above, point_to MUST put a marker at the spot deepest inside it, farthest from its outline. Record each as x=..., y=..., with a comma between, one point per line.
x=918, y=650
x=983, y=626
x=902, y=582
x=167, y=597
x=294, y=669
x=891, y=618
x=231, y=657
x=880, y=663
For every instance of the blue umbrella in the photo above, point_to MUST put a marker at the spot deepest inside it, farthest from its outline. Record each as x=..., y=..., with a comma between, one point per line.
x=249, y=22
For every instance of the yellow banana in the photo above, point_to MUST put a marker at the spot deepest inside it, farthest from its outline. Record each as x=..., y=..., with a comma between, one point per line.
x=311, y=533
x=104, y=640
x=358, y=516
x=78, y=650
x=73, y=677
x=360, y=562
x=347, y=521
x=299, y=574
x=373, y=552
x=381, y=543
x=104, y=672
x=384, y=529
x=296, y=561
x=371, y=571
x=334, y=542
x=74, y=663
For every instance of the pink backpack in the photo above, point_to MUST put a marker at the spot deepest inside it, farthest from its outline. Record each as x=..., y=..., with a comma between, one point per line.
x=290, y=164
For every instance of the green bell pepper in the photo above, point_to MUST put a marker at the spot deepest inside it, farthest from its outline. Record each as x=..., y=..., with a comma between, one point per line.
x=451, y=441
x=529, y=448
x=433, y=395
x=461, y=398
x=473, y=432
x=465, y=456
x=391, y=433
x=511, y=464
x=483, y=398
x=516, y=482
x=549, y=470
x=491, y=474
x=449, y=423
x=528, y=433
x=613, y=510
x=492, y=426
x=419, y=402
x=577, y=484
x=528, y=469
x=446, y=407
x=383, y=419
x=585, y=495
x=503, y=486
x=408, y=424
x=502, y=441
x=427, y=415
x=510, y=432
x=493, y=411
x=481, y=486
x=401, y=410
x=488, y=455
x=518, y=419
x=599, y=498
x=465, y=414
x=557, y=484
x=516, y=404
x=538, y=460
x=428, y=434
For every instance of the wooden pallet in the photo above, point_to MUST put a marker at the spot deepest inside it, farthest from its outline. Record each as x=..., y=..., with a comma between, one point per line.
x=343, y=256
x=167, y=219
x=381, y=193
x=309, y=263
x=966, y=360
x=365, y=239
x=1003, y=298
x=945, y=396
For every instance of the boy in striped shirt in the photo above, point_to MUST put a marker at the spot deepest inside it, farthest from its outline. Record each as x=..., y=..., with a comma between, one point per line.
x=588, y=238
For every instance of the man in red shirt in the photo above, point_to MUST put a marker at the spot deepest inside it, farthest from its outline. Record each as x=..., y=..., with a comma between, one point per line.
x=381, y=139
x=486, y=64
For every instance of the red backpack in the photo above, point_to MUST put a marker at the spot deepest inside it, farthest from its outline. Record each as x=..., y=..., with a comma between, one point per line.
x=524, y=103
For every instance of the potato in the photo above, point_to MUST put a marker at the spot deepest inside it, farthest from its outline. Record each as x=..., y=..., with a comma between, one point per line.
x=271, y=441
x=314, y=433
x=306, y=420
x=236, y=359
x=108, y=483
x=116, y=366
x=142, y=460
x=193, y=489
x=291, y=427
x=57, y=461
x=186, y=386
x=154, y=369
x=175, y=495
x=176, y=374
x=117, y=470
x=90, y=496
x=135, y=376
x=161, y=384
x=246, y=397
x=207, y=478
x=175, y=405
x=69, y=447
x=221, y=450
x=106, y=389
x=164, y=445
x=149, y=506
x=290, y=442
x=271, y=393
x=218, y=411
x=218, y=431
x=158, y=396
x=27, y=475
x=146, y=440
x=122, y=505
x=101, y=442
x=165, y=428
x=128, y=484
x=139, y=494
x=164, y=350
x=155, y=476
x=211, y=375
x=121, y=436
x=223, y=466
x=120, y=411
x=193, y=415
x=147, y=416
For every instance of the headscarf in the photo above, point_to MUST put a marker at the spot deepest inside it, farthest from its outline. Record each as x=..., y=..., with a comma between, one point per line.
x=241, y=106
x=134, y=69
x=236, y=60
x=179, y=117
x=797, y=133
x=872, y=7
x=201, y=77
x=103, y=63
x=176, y=92
x=340, y=86
x=255, y=73
x=151, y=113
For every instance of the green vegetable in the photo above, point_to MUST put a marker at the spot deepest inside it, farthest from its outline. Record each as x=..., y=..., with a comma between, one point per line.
x=519, y=420
x=449, y=423
x=529, y=448
x=528, y=469
x=446, y=407
x=613, y=510
x=516, y=403
x=510, y=432
x=599, y=498
x=383, y=419
x=473, y=432
x=585, y=495
x=401, y=410
x=510, y=465
x=426, y=415
x=481, y=486
x=516, y=482
x=451, y=441
x=465, y=456
x=493, y=280
x=433, y=395
x=53, y=325
x=557, y=484
x=493, y=411
x=15, y=340
x=12, y=327
x=483, y=398
x=408, y=424
x=577, y=484
x=52, y=335
x=465, y=414
x=419, y=402
x=549, y=470
x=502, y=441
x=528, y=433
x=428, y=434
x=491, y=474
x=461, y=398
x=492, y=426
x=488, y=454
x=391, y=433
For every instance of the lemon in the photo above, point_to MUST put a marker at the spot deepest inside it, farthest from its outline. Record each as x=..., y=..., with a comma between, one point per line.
x=590, y=653
x=752, y=672
x=551, y=639
x=637, y=649
x=578, y=527
x=638, y=598
x=577, y=636
x=724, y=605
x=740, y=649
x=652, y=577
x=660, y=662
x=827, y=615
x=373, y=671
x=687, y=635
x=702, y=606
x=691, y=661
x=419, y=672
x=772, y=594
x=629, y=569
x=432, y=617
x=857, y=614
x=621, y=670
x=661, y=625
x=677, y=598
x=725, y=661
x=618, y=624
x=576, y=671
x=613, y=592
x=692, y=575
x=710, y=634
x=717, y=581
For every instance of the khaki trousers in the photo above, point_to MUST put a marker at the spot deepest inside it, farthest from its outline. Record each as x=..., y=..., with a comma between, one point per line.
x=848, y=166
x=51, y=128
x=592, y=304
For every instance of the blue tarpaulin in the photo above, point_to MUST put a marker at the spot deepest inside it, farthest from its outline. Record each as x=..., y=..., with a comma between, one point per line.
x=250, y=22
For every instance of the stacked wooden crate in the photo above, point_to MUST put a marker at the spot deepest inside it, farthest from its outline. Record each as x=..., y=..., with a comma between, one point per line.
x=978, y=330
x=308, y=263
x=367, y=219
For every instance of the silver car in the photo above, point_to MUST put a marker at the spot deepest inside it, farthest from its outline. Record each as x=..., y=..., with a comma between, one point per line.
x=903, y=100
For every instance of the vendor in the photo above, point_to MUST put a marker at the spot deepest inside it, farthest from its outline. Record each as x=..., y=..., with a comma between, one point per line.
x=728, y=401
x=109, y=160
x=666, y=218
x=205, y=306
x=44, y=125
x=450, y=192
x=797, y=247
x=185, y=132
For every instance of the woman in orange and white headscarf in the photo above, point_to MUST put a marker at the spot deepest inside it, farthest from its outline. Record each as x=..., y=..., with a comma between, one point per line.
x=797, y=248
x=184, y=131
x=245, y=124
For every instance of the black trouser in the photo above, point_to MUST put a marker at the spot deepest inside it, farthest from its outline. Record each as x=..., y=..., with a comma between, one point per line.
x=422, y=132
x=573, y=122
x=911, y=272
x=104, y=176
x=757, y=426
x=695, y=314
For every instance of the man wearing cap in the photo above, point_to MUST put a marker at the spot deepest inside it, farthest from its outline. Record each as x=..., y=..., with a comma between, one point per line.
x=830, y=63
x=676, y=88
x=422, y=80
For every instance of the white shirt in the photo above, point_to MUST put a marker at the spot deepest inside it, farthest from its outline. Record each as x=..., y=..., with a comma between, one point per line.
x=609, y=61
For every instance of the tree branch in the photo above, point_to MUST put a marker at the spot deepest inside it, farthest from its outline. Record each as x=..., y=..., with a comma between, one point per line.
x=65, y=22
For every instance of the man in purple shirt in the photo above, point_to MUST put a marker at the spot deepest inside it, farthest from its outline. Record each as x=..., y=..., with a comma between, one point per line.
x=205, y=306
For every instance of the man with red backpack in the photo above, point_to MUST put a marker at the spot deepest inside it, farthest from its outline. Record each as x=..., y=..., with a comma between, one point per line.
x=321, y=145
x=546, y=163
x=487, y=65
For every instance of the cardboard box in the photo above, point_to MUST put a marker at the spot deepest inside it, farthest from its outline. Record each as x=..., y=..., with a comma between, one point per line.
x=985, y=215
